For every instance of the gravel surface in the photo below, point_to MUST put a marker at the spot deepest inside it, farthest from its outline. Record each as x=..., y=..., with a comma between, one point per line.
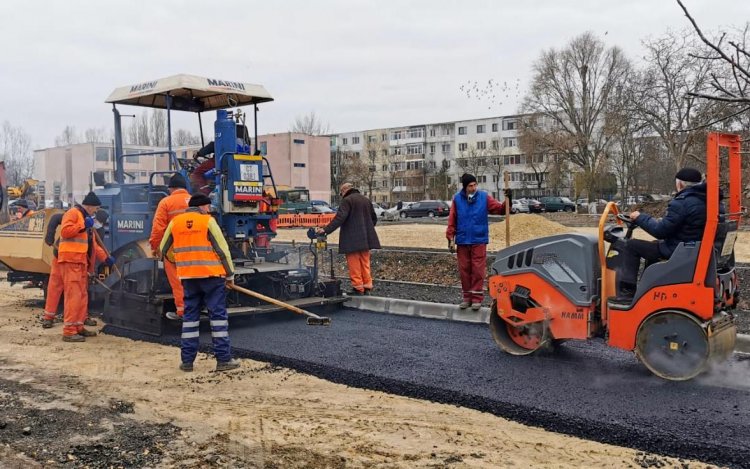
x=586, y=389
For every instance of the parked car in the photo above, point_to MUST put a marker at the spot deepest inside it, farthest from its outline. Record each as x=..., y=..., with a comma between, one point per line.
x=519, y=206
x=394, y=213
x=379, y=211
x=321, y=206
x=558, y=204
x=429, y=208
x=535, y=206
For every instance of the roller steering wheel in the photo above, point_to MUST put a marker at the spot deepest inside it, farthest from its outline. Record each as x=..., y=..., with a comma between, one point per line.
x=630, y=224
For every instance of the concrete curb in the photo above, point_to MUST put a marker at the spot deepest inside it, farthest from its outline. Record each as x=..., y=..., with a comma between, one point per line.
x=425, y=309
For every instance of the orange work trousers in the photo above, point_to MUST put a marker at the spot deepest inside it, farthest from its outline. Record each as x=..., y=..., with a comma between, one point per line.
x=359, y=270
x=76, y=300
x=174, y=281
x=54, y=290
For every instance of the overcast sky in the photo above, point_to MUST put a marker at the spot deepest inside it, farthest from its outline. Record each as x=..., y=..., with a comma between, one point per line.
x=359, y=65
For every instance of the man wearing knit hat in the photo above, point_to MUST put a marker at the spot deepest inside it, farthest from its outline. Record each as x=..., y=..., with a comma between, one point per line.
x=468, y=228
x=205, y=268
x=76, y=253
x=684, y=222
x=169, y=207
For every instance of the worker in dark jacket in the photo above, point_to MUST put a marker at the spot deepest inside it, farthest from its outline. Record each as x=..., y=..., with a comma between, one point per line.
x=684, y=221
x=198, y=179
x=356, y=218
x=468, y=229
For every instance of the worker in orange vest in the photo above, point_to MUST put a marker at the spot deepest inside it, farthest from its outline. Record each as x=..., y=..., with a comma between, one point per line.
x=204, y=265
x=169, y=207
x=77, y=252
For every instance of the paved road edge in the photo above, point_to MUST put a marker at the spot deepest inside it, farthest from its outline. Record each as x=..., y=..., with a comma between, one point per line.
x=425, y=309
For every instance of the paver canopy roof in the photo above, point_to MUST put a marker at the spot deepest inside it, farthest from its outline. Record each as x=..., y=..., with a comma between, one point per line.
x=190, y=93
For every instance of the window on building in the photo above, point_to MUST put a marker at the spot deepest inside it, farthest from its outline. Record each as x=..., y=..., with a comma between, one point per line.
x=184, y=154
x=414, y=149
x=462, y=131
x=481, y=179
x=355, y=154
x=372, y=154
x=480, y=129
x=333, y=141
x=415, y=133
x=446, y=148
x=384, y=152
x=495, y=178
x=299, y=141
x=355, y=140
x=383, y=137
x=446, y=130
x=371, y=138
x=299, y=165
x=496, y=161
x=481, y=145
x=446, y=164
x=510, y=125
x=102, y=154
x=133, y=158
x=396, y=135
x=432, y=132
x=433, y=165
x=385, y=168
x=384, y=183
x=495, y=144
x=462, y=146
x=494, y=127
x=397, y=150
x=509, y=142
x=345, y=141
x=432, y=148
x=448, y=180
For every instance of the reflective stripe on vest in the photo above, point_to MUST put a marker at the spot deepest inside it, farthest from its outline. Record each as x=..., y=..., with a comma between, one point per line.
x=193, y=252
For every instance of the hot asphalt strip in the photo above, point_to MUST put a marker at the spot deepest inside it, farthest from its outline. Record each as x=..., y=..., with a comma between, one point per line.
x=585, y=389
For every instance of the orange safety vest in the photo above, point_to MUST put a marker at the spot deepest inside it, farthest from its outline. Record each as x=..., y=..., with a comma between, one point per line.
x=169, y=207
x=74, y=249
x=194, y=254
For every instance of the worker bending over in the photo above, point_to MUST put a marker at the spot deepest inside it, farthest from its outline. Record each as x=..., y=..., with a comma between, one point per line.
x=23, y=210
x=356, y=218
x=77, y=253
x=169, y=207
x=469, y=230
x=204, y=266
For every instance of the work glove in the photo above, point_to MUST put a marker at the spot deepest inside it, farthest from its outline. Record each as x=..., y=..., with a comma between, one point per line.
x=88, y=222
x=508, y=194
x=451, y=245
x=110, y=261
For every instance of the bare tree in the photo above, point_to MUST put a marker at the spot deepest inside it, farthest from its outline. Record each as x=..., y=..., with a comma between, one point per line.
x=473, y=160
x=571, y=88
x=158, y=128
x=15, y=150
x=69, y=136
x=139, y=132
x=733, y=56
x=310, y=124
x=95, y=135
x=667, y=96
x=185, y=137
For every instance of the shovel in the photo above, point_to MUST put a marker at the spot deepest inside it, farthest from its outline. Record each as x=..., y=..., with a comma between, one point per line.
x=312, y=319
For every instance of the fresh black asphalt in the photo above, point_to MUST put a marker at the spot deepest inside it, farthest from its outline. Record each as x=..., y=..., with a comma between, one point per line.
x=584, y=389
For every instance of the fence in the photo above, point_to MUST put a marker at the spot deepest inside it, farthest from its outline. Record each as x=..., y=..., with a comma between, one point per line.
x=304, y=220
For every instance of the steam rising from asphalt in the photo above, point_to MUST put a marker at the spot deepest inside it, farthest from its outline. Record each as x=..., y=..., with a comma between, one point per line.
x=733, y=373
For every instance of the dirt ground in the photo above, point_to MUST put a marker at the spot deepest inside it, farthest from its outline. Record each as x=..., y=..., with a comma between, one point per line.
x=419, y=235
x=113, y=402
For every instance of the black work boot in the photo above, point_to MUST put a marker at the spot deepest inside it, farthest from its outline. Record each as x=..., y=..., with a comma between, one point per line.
x=90, y=322
x=47, y=323
x=87, y=333
x=74, y=338
x=187, y=367
x=226, y=366
x=624, y=298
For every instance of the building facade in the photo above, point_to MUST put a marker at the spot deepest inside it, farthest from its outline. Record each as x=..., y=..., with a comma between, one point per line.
x=296, y=160
x=426, y=161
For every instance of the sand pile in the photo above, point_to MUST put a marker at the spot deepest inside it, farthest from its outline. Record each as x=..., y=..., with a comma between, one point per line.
x=524, y=227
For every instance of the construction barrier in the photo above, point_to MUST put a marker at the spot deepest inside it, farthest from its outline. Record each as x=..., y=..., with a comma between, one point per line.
x=304, y=220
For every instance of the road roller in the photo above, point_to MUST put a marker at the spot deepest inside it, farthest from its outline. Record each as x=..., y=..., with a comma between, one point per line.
x=682, y=317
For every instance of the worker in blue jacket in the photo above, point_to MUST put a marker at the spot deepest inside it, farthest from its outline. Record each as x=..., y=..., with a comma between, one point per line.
x=684, y=221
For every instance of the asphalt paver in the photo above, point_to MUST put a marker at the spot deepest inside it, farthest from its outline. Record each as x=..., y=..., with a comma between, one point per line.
x=585, y=389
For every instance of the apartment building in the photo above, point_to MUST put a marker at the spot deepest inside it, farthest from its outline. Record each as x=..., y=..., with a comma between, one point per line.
x=296, y=160
x=426, y=161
